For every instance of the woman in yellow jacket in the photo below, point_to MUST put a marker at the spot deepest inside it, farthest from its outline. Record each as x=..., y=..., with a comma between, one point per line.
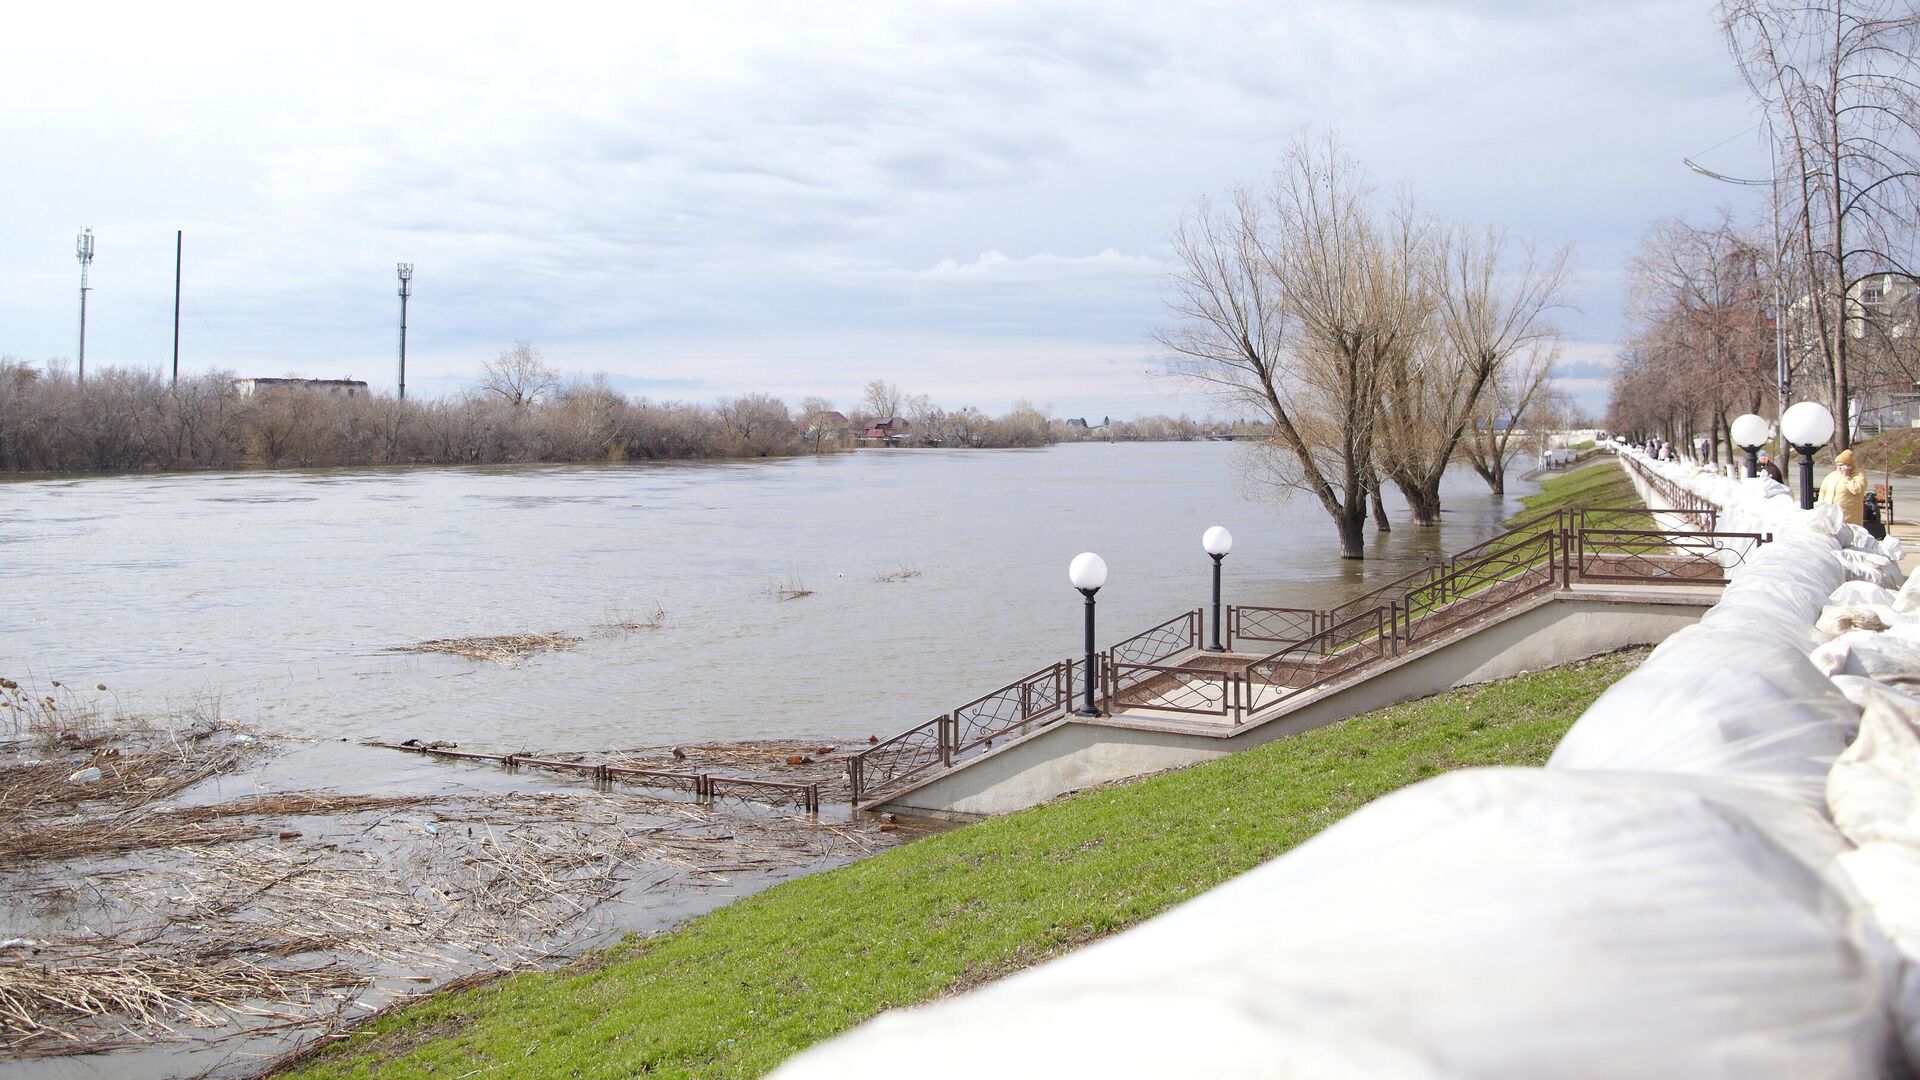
x=1845, y=488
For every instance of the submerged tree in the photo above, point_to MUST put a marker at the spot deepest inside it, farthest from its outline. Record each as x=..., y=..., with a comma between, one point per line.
x=1365, y=338
x=1288, y=302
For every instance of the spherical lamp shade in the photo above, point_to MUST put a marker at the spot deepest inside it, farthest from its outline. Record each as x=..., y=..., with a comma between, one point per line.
x=1087, y=571
x=1749, y=432
x=1217, y=541
x=1807, y=424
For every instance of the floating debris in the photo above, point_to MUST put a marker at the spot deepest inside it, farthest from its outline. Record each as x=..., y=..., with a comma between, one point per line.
x=506, y=650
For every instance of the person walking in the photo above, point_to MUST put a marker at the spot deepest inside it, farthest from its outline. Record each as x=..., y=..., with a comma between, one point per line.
x=1845, y=488
x=1769, y=469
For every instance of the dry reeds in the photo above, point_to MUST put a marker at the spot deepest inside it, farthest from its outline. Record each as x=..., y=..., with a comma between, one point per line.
x=257, y=929
x=793, y=587
x=902, y=573
x=506, y=650
x=622, y=622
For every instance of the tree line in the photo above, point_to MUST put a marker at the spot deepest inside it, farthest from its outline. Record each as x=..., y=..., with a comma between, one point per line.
x=1823, y=280
x=522, y=410
x=1377, y=344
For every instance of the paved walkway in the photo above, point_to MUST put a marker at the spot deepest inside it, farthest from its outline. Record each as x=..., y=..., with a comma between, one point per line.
x=1906, y=519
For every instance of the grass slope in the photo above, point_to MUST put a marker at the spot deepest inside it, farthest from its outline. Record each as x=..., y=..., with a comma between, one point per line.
x=736, y=992
x=1605, y=485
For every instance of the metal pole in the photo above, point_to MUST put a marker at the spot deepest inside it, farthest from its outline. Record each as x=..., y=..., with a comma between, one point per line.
x=1806, y=477
x=1089, y=709
x=176, y=306
x=1753, y=462
x=1781, y=376
x=83, y=247
x=1216, y=646
x=406, y=290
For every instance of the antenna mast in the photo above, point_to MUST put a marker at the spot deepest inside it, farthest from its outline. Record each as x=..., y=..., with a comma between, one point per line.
x=83, y=247
x=176, y=306
x=406, y=290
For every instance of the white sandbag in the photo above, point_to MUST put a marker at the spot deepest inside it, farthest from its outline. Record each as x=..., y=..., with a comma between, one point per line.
x=1908, y=598
x=1862, y=592
x=1488, y=923
x=1866, y=566
x=1837, y=619
x=1888, y=657
x=1893, y=548
x=1857, y=538
x=1873, y=791
x=1729, y=699
x=1885, y=879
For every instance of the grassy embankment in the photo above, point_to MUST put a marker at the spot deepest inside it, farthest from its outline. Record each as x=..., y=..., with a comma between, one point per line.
x=735, y=992
x=1603, y=485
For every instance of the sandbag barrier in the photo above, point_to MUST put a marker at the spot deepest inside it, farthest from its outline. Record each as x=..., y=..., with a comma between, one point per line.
x=702, y=786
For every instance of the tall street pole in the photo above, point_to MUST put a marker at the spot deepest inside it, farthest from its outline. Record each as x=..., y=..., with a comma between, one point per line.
x=1782, y=378
x=83, y=247
x=406, y=290
x=176, y=306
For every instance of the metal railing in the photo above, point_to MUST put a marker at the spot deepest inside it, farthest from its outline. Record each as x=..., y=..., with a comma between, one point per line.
x=1164, y=669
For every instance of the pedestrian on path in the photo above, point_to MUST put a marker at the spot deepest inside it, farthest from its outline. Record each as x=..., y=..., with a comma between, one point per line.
x=1845, y=488
x=1768, y=468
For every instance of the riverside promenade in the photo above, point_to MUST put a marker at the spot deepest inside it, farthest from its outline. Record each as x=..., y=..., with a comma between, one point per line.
x=1716, y=874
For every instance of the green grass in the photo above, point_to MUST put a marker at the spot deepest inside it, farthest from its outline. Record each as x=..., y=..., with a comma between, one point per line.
x=736, y=992
x=1605, y=485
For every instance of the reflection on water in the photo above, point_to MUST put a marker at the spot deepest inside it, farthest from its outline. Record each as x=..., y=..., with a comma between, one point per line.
x=282, y=593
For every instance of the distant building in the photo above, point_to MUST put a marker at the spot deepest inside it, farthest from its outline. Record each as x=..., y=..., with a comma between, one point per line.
x=829, y=424
x=887, y=428
x=334, y=387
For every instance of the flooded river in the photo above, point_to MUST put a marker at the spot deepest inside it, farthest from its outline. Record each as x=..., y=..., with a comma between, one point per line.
x=283, y=595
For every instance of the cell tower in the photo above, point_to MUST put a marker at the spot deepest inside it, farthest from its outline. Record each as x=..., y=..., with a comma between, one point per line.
x=83, y=247
x=406, y=290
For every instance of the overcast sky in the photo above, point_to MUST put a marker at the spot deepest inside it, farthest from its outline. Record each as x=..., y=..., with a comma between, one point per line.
x=970, y=199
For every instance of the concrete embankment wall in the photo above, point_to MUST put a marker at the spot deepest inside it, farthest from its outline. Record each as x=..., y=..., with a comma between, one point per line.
x=1075, y=755
x=1718, y=874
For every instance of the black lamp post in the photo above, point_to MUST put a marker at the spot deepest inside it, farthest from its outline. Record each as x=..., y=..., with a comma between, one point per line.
x=1217, y=541
x=1807, y=426
x=1088, y=572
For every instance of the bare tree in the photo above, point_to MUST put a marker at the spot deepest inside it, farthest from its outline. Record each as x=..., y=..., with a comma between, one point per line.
x=760, y=425
x=1514, y=402
x=1841, y=84
x=1288, y=302
x=519, y=375
x=1486, y=311
x=882, y=399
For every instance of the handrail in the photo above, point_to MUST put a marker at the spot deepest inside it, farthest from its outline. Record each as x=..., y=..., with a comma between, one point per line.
x=1553, y=548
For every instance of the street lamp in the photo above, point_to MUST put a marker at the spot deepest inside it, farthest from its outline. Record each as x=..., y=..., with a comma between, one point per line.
x=1088, y=572
x=1217, y=541
x=1782, y=377
x=1749, y=433
x=1806, y=427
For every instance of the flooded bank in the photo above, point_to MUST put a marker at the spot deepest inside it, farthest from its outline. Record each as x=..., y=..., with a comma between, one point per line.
x=212, y=899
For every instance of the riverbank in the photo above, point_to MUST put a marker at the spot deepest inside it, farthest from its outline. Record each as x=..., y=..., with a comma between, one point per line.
x=736, y=992
x=199, y=897
x=1604, y=486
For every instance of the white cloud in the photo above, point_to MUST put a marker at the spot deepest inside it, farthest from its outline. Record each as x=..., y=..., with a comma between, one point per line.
x=842, y=182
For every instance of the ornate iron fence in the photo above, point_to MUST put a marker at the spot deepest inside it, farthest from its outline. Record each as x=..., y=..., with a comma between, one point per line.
x=1304, y=665
x=1161, y=668
x=1271, y=624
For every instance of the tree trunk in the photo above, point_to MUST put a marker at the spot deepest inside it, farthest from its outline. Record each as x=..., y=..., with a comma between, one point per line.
x=1380, y=520
x=1423, y=499
x=1350, y=525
